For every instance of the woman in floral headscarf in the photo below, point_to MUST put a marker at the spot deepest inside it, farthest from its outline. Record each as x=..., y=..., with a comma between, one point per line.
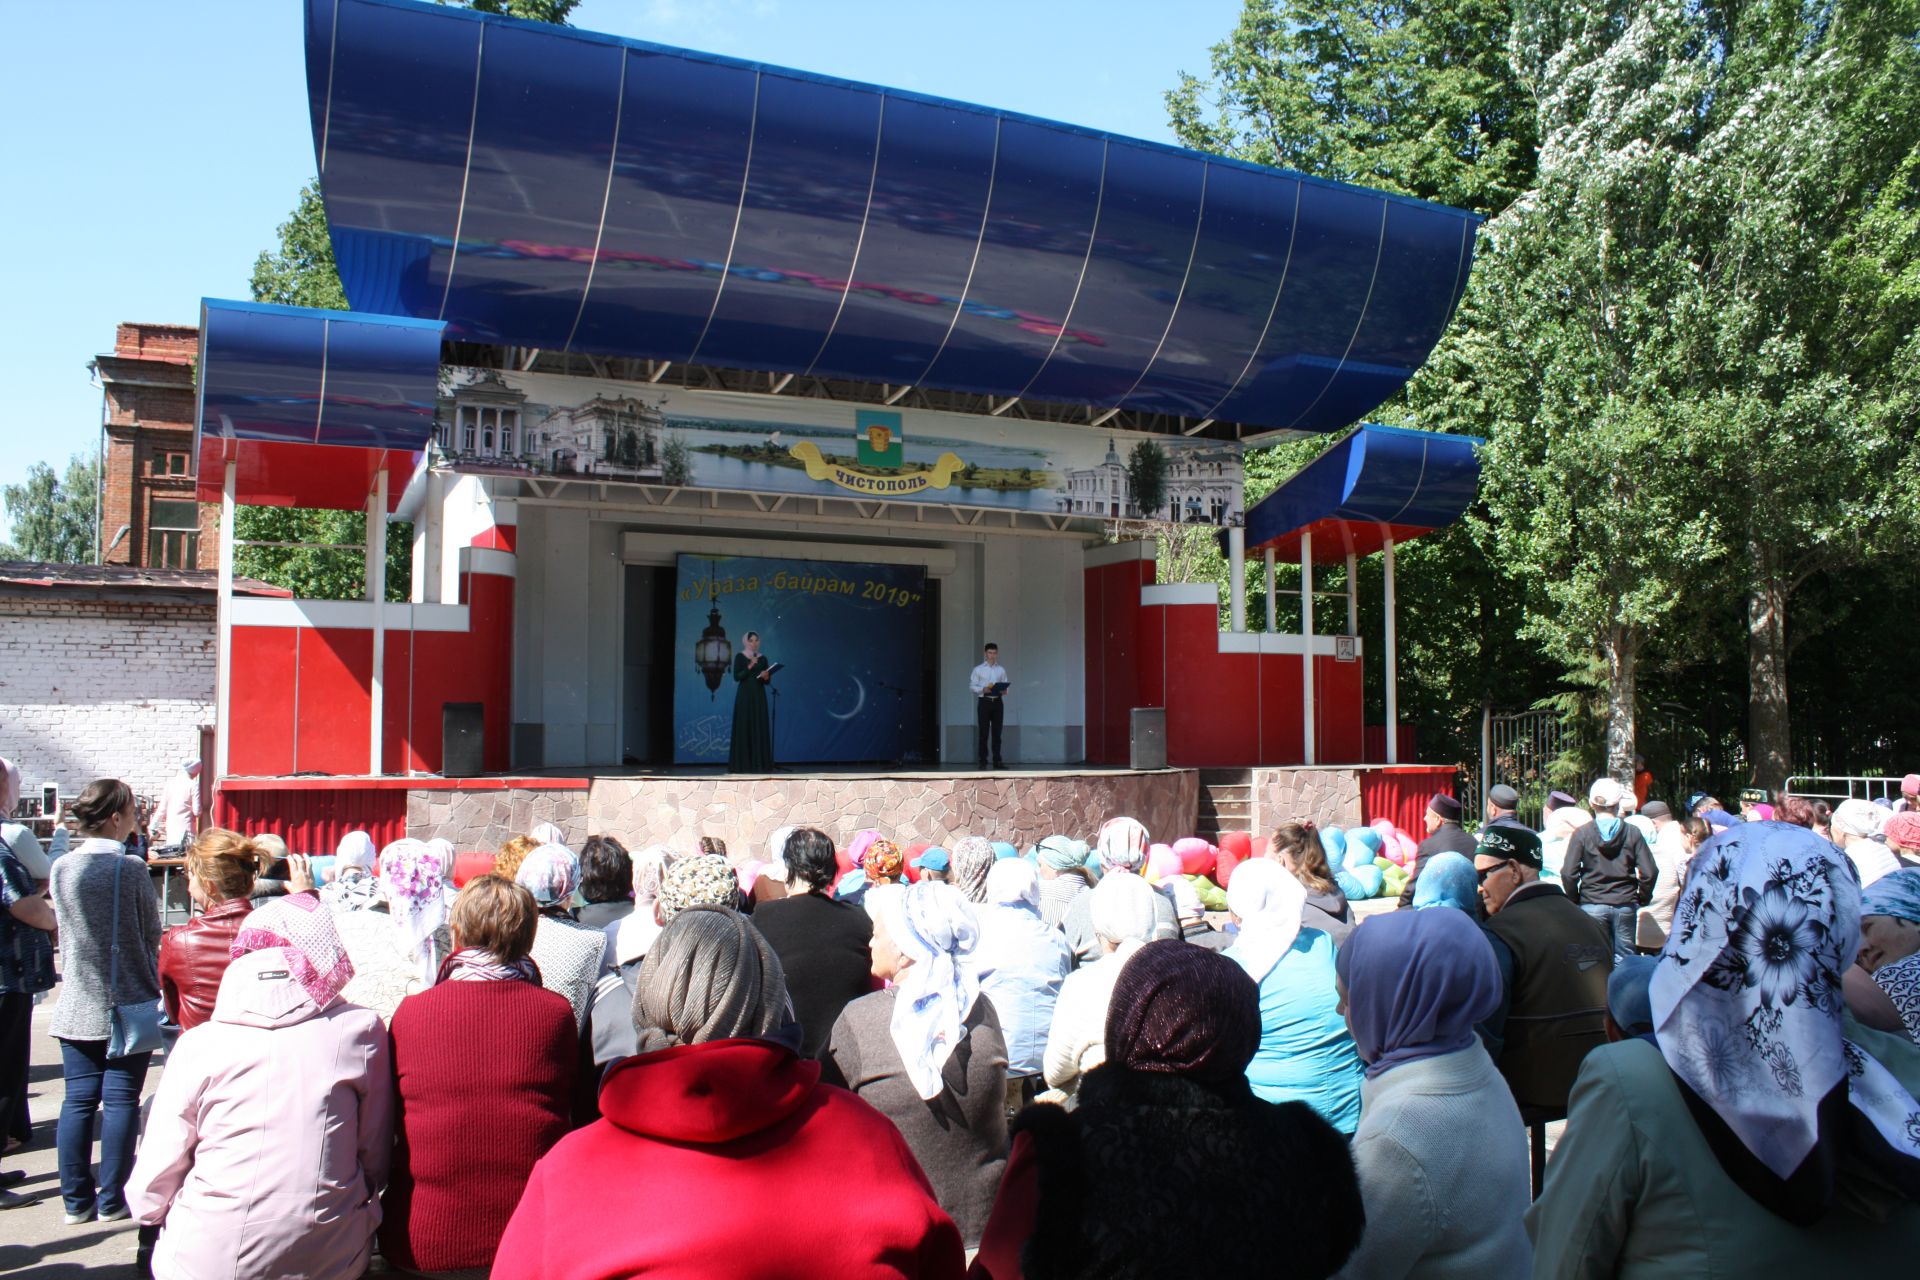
x=350, y=882
x=1890, y=954
x=269, y=1138
x=397, y=942
x=570, y=954
x=1763, y=1130
x=927, y=1053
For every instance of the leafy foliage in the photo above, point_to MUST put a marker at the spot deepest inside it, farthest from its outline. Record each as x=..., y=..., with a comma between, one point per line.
x=1147, y=477
x=1418, y=99
x=53, y=517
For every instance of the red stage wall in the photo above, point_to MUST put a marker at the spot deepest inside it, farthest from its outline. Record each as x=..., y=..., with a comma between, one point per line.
x=1223, y=709
x=301, y=695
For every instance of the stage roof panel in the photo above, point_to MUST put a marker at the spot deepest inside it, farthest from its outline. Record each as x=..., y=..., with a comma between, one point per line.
x=311, y=403
x=545, y=187
x=1378, y=483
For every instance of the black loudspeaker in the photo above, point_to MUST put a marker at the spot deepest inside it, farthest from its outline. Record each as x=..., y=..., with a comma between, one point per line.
x=1147, y=741
x=462, y=739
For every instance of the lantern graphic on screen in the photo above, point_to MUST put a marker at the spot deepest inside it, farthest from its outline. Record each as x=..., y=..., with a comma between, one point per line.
x=712, y=652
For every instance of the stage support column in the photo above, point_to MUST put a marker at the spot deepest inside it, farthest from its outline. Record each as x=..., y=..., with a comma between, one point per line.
x=377, y=597
x=223, y=602
x=1306, y=633
x=1393, y=659
x=1237, y=575
x=1273, y=618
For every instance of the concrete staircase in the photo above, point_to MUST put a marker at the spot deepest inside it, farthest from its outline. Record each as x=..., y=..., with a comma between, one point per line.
x=1226, y=802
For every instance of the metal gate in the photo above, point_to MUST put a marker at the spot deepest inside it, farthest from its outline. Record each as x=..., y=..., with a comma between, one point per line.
x=1521, y=749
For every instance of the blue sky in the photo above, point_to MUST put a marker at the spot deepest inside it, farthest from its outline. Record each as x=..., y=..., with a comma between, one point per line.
x=151, y=147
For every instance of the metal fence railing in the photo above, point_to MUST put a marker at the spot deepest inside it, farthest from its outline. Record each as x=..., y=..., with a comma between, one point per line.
x=1834, y=788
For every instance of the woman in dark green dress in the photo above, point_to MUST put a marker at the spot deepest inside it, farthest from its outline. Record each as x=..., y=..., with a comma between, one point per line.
x=752, y=748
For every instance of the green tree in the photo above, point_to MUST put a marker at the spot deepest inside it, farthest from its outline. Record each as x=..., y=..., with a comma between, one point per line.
x=53, y=518
x=1147, y=478
x=300, y=271
x=1414, y=98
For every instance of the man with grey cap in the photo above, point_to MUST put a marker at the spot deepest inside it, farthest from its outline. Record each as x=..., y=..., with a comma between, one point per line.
x=1444, y=835
x=1609, y=872
x=1503, y=806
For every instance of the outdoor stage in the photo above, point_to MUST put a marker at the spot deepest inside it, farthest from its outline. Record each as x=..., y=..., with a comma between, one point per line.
x=676, y=808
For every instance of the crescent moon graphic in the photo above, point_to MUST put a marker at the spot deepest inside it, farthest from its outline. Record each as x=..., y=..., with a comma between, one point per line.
x=858, y=702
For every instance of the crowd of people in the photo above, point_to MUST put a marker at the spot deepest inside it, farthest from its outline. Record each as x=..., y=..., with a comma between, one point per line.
x=801, y=1060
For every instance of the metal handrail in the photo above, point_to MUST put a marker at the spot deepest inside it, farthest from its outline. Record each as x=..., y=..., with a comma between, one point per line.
x=1851, y=786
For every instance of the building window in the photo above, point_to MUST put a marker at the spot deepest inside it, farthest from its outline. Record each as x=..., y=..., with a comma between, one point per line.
x=489, y=431
x=173, y=534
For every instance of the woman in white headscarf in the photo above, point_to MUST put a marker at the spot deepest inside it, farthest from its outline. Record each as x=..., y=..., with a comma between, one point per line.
x=1760, y=1130
x=350, y=885
x=1124, y=920
x=928, y=1052
x=1857, y=825
x=1306, y=1054
x=397, y=941
x=1022, y=962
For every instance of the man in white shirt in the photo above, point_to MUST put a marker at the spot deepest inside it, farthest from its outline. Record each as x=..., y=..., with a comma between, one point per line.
x=178, y=816
x=990, y=706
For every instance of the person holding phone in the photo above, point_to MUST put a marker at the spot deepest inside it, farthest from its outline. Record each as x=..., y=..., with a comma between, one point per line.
x=990, y=686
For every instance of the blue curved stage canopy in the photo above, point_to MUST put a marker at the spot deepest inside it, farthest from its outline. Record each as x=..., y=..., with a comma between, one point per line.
x=537, y=186
x=1378, y=483
x=312, y=403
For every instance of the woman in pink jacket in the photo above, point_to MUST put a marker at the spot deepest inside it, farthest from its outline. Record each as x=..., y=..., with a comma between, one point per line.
x=268, y=1143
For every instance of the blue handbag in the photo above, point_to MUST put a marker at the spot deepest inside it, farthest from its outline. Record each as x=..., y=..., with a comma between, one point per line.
x=131, y=1028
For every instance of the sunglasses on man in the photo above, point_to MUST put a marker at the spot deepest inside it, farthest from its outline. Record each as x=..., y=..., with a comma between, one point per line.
x=1481, y=873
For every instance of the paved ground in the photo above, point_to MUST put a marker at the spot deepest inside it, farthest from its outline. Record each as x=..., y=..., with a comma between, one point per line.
x=33, y=1240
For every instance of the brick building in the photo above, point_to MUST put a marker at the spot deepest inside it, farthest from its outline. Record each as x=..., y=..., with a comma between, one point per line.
x=148, y=515
x=105, y=671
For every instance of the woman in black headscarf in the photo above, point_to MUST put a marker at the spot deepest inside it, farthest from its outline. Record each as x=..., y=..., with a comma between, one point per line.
x=1170, y=1166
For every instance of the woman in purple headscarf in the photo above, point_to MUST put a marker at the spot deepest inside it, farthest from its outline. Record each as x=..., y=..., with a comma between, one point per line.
x=1170, y=1165
x=1439, y=1203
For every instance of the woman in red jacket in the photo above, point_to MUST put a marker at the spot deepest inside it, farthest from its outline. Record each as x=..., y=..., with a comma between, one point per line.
x=483, y=1061
x=708, y=1132
x=221, y=866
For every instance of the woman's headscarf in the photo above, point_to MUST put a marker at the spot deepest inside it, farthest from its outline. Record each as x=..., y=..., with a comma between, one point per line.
x=1121, y=911
x=1013, y=883
x=300, y=926
x=711, y=976
x=416, y=899
x=777, y=851
x=1123, y=844
x=1860, y=818
x=1268, y=904
x=1903, y=829
x=353, y=887
x=1895, y=894
x=1747, y=1012
x=547, y=833
x=1417, y=982
x=883, y=862
x=1564, y=821
x=550, y=873
x=1058, y=853
x=636, y=931
x=1448, y=880
x=1183, y=1010
x=704, y=880
x=934, y=927
x=862, y=841
x=973, y=858
x=443, y=849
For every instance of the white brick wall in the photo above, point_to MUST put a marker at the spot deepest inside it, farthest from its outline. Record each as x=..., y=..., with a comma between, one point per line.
x=103, y=688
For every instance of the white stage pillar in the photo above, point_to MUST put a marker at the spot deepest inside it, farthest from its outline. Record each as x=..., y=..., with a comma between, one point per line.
x=1306, y=632
x=1237, y=575
x=1393, y=659
x=1273, y=618
x=223, y=608
x=377, y=597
